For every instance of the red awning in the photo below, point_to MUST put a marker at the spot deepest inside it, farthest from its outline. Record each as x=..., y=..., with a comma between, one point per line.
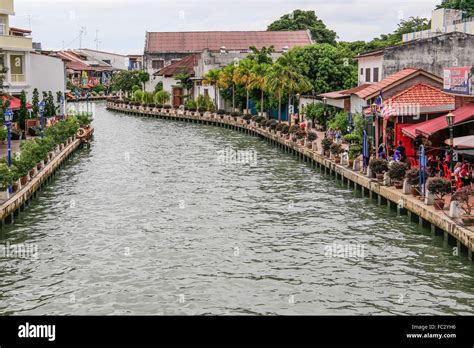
x=428, y=128
x=15, y=103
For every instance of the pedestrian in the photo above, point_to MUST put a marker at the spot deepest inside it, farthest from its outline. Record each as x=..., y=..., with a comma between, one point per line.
x=402, y=150
x=338, y=135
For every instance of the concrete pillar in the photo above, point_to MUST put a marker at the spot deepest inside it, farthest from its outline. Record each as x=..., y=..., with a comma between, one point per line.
x=458, y=245
x=406, y=187
x=454, y=210
x=433, y=230
x=445, y=239
x=469, y=254
x=429, y=199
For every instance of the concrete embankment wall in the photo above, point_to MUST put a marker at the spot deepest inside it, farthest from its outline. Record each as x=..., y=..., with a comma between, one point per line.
x=437, y=221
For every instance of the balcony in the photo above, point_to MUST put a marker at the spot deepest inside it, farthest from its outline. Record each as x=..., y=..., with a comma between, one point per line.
x=6, y=7
x=11, y=43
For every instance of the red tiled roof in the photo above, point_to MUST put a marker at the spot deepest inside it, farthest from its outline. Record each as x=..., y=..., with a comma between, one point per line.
x=97, y=51
x=357, y=89
x=232, y=40
x=334, y=95
x=185, y=65
x=424, y=95
x=431, y=127
x=392, y=81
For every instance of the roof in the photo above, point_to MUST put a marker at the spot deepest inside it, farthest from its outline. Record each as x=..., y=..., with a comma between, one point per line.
x=15, y=103
x=392, y=81
x=466, y=142
x=334, y=95
x=424, y=95
x=428, y=128
x=19, y=30
x=197, y=41
x=103, y=52
x=185, y=65
x=376, y=52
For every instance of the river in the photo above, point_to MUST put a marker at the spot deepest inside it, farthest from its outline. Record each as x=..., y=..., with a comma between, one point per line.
x=151, y=220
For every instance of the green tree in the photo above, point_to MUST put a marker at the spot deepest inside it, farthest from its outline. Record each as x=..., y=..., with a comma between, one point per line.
x=159, y=86
x=259, y=72
x=35, y=101
x=124, y=81
x=262, y=56
x=212, y=79
x=305, y=20
x=244, y=77
x=227, y=81
x=50, y=106
x=23, y=112
x=143, y=77
x=184, y=81
x=3, y=71
x=463, y=5
x=162, y=97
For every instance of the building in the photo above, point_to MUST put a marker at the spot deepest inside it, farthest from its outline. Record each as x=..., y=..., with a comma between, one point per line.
x=115, y=60
x=444, y=21
x=26, y=69
x=165, y=48
x=135, y=62
x=430, y=54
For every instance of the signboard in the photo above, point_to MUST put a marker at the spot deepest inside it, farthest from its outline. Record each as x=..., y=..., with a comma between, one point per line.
x=459, y=80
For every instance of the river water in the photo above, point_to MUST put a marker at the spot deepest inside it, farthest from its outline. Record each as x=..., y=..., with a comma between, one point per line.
x=151, y=220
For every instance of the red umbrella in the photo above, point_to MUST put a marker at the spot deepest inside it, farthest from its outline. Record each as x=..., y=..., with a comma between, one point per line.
x=15, y=103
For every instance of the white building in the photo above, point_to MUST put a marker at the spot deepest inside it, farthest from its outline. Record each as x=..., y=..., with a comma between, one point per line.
x=26, y=69
x=117, y=61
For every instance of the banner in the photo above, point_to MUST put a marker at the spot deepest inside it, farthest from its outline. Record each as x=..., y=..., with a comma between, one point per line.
x=458, y=80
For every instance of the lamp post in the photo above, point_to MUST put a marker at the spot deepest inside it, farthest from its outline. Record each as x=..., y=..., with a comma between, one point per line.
x=63, y=107
x=450, y=122
x=8, y=122
x=41, y=110
x=300, y=117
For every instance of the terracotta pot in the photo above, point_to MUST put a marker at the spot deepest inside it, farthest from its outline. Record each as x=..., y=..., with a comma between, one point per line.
x=398, y=185
x=32, y=172
x=467, y=220
x=379, y=176
x=351, y=163
x=326, y=153
x=414, y=191
x=438, y=204
x=24, y=180
x=337, y=160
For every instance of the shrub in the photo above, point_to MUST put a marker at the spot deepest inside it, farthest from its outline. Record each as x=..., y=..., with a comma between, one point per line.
x=221, y=112
x=7, y=175
x=397, y=171
x=300, y=134
x=353, y=139
x=247, y=117
x=293, y=129
x=439, y=187
x=335, y=149
x=235, y=114
x=355, y=150
x=269, y=123
x=285, y=129
x=191, y=105
x=279, y=127
x=413, y=177
x=162, y=97
x=202, y=109
x=463, y=196
x=312, y=136
x=326, y=144
x=378, y=165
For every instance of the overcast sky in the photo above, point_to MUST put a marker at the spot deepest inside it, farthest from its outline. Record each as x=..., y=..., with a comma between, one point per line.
x=122, y=23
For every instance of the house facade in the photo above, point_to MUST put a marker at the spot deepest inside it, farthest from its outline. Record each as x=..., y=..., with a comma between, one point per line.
x=115, y=60
x=165, y=48
x=25, y=69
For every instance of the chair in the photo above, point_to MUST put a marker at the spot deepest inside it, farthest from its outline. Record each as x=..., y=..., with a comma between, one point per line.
x=447, y=172
x=414, y=163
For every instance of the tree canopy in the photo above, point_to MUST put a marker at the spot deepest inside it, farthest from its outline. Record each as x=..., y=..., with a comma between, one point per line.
x=463, y=5
x=305, y=20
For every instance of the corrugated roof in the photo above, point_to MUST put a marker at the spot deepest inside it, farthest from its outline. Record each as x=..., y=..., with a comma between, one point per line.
x=183, y=42
x=185, y=65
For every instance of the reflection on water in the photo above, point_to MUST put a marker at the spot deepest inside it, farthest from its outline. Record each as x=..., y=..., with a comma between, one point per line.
x=152, y=220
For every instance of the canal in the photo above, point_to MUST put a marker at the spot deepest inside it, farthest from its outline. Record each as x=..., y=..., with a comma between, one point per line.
x=154, y=220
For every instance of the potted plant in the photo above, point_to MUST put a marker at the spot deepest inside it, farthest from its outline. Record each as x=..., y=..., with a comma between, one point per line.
x=378, y=166
x=326, y=145
x=355, y=151
x=336, y=150
x=463, y=196
x=396, y=173
x=439, y=187
x=285, y=130
x=247, y=118
x=221, y=113
x=413, y=179
x=312, y=137
x=6, y=177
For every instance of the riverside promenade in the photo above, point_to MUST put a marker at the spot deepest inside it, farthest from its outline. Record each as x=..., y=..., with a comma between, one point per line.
x=425, y=215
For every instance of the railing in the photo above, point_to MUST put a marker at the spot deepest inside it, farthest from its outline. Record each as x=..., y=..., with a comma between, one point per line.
x=17, y=78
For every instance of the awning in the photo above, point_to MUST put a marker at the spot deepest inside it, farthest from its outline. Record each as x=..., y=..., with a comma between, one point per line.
x=462, y=142
x=428, y=128
x=15, y=103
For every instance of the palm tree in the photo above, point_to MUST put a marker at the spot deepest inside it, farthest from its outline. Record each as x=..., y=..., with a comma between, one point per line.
x=226, y=79
x=275, y=84
x=259, y=72
x=212, y=78
x=244, y=76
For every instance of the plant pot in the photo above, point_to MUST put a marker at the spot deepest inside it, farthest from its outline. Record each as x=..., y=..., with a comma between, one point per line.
x=379, y=176
x=414, y=191
x=4, y=195
x=351, y=163
x=438, y=204
x=326, y=153
x=24, y=180
x=467, y=220
x=337, y=160
x=15, y=186
x=398, y=185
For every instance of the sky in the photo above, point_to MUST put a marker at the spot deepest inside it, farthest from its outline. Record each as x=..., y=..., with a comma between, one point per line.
x=120, y=25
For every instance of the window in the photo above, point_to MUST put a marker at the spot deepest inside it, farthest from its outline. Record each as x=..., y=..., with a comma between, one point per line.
x=367, y=75
x=3, y=26
x=16, y=68
x=376, y=74
x=362, y=71
x=206, y=93
x=107, y=61
x=157, y=64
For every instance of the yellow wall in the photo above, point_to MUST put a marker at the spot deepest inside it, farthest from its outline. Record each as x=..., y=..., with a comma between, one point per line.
x=6, y=7
x=16, y=42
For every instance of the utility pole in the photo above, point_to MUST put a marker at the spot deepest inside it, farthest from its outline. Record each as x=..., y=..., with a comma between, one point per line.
x=97, y=40
x=83, y=31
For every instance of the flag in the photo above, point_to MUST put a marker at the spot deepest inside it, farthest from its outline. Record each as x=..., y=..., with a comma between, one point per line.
x=388, y=111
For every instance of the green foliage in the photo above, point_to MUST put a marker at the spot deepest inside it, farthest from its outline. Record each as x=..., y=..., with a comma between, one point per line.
x=162, y=97
x=262, y=56
x=204, y=102
x=353, y=138
x=413, y=177
x=440, y=187
x=125, y=81
x=50, y=107
x=355, y=150
x=305, y=20
x=23, y=113
x=7, y=176
x=326, y=144
x=137, y=96
x=341, y=121
x=35, y=102
x=3, y=132
x=99, y=88
x=397, y=171
x=336, y=149
x=159, y=86
x=191, y=105
x=184, y=80
x=378, y=165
